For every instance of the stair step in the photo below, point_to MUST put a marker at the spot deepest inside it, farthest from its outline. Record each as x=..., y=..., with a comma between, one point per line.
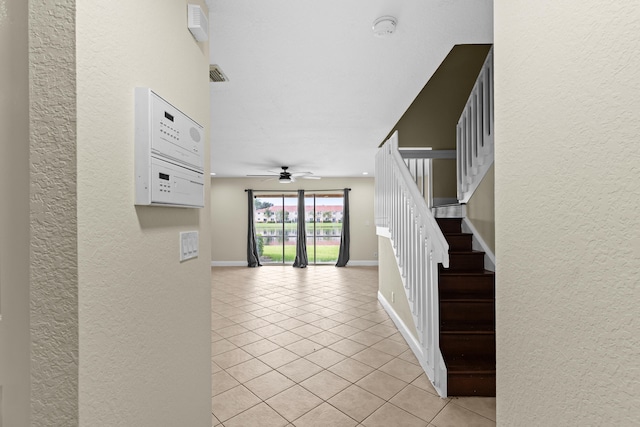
x=467, y=315
x=450, y=225
x=468, y=345
x=466, y=284
x=459, y=241
x=466, y=261
x=471, y=378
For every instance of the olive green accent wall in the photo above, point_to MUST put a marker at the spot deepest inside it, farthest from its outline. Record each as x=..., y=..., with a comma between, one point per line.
x=481, y=210
x=430, y=121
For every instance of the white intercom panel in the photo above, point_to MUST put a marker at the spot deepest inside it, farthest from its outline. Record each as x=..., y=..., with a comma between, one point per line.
x=169, y=148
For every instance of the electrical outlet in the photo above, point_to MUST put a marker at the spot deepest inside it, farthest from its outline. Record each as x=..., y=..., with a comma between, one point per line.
x=188, y=245
x=393, y=296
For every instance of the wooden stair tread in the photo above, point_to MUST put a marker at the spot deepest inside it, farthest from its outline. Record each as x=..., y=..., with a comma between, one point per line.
x=455, y=332
x=471, y=368
x=448, y=272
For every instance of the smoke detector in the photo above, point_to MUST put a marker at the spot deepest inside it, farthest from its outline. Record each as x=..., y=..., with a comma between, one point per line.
x=384, y=26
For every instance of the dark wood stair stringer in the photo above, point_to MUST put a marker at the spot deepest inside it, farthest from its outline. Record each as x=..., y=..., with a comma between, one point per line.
x=467, y=316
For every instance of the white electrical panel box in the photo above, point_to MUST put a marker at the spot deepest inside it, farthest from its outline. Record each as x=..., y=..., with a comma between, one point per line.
x=169, y=149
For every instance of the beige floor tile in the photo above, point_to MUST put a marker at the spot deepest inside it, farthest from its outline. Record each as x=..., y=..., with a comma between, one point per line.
x=242, y=317
x=260, y=415
x=325, y=357
x=275, y=317
x=325, y=338
x=342, y=317
x=419, y=403
x=372, y=357
x=347, y=347
x=390, y=415
x=262, y=311
x=344, y=331
x=356, y=402
x=382, y=330
x=381, y=384
x=221, y=382
x=366, y=338
x=261, y=347
x=402, y=370
x=378, y=316
x=278, y=357
x=325, y=323
x=269, y=384
x=222, y=346
x=306, y=330
x=248, y=370
x=289, y=323
x=232, y=402
x=285, y=338
x=244, y=339
x=294, y=402
x=424, y=383
x=485, y=406
x=309, y=317
x=325, y=415
x=391, y=347
x=455, y=416
x=408, y=356
x=231, y=331
x=304, y=347
x=269, y=331
x=361, y=324
x=255, y=324
x=215, y=368
x=351, y=369
x=325, y=384
x=299, y=370
x=231, y=358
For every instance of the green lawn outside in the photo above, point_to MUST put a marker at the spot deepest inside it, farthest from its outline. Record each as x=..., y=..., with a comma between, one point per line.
x=324, y=253
x=293, y=226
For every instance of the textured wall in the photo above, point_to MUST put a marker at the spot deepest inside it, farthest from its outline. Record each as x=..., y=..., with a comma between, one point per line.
x=229, y=214
x=54, y=271
x=389, y=280
x=567, y=162
x=145, y=328
x=14, y=214
x=481, y=209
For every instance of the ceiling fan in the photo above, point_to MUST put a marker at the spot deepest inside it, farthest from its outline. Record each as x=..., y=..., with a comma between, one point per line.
x=285, y=176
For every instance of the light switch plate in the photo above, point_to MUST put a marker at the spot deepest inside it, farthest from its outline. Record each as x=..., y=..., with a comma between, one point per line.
x=188, y=245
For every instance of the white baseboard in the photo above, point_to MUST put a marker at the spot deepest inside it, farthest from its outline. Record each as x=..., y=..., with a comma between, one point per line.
x=228, y=263
x=363, y=263
x=356, y=263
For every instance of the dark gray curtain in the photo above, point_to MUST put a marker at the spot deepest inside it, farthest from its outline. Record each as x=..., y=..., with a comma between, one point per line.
x=301, y=242
x=253, y=257
x=343, y=256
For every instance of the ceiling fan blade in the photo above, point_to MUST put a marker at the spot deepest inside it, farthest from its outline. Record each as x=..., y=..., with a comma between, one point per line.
x=265, y=175
x=311, y=177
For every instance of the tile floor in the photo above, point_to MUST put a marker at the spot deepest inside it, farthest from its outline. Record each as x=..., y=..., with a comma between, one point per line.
x=313, y=347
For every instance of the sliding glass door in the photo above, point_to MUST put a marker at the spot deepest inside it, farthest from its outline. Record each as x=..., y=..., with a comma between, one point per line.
x=276, y=218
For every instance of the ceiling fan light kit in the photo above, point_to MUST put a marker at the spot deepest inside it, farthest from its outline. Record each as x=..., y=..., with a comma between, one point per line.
x=286, y=177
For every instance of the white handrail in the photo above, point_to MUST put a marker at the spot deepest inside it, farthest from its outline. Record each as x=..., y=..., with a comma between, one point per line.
x=419, y=246
x=474, y=133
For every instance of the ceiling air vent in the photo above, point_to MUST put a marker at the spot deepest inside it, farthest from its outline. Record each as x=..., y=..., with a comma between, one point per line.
x=216, y=74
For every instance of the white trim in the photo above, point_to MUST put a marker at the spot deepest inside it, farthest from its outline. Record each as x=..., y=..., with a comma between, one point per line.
x=383, y=232
x=356, y=263
x=363, y=263
x=410, y=339
x=228, y=263
x=480, y=244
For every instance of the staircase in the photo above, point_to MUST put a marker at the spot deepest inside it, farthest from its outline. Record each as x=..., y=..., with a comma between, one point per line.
x=467, y=316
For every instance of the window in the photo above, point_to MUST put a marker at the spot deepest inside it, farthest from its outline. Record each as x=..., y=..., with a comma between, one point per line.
x=276, y=219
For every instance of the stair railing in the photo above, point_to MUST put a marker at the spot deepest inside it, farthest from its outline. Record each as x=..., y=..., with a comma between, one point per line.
x=474, y=133
x=419, y=247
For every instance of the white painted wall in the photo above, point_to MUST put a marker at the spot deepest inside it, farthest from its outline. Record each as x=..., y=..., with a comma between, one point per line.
x=14, y=214
x=229, y=215
x=144, y=317
x=567, y=90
